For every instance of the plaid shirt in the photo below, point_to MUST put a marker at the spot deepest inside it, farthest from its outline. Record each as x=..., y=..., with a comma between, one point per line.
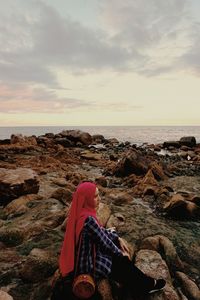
x=103, y=239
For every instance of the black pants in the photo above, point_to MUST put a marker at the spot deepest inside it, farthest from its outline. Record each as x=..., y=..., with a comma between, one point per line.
x=133, y=279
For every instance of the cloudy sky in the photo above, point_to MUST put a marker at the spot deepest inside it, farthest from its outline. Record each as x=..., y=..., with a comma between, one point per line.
x=99, y=62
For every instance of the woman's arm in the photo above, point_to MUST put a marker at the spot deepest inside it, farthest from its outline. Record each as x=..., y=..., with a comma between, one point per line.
x=98, y=234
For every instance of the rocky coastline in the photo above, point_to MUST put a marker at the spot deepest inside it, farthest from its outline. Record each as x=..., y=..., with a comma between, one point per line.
x=151, y=193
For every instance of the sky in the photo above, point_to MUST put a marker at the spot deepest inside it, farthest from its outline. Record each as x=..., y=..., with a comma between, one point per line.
x=99, y=62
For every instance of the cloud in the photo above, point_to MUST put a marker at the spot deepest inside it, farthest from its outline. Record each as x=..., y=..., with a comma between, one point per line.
x=36, y=41
x=160, y=32
x=145, y=37
x=20, y=99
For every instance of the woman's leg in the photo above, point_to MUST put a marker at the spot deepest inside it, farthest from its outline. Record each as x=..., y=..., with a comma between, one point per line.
x=124, y=271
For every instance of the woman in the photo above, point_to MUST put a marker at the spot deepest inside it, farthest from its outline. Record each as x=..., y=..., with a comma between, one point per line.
x=111, y=254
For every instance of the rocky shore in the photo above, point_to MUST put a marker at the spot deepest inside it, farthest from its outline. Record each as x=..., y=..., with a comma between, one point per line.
x=151, y=193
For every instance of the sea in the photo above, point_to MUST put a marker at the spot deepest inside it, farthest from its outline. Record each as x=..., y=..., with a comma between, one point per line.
x=134, y=134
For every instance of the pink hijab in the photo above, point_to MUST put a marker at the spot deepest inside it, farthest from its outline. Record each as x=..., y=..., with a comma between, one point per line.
x=82, y=206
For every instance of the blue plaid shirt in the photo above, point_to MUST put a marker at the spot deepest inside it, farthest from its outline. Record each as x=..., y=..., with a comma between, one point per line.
x=104, y=241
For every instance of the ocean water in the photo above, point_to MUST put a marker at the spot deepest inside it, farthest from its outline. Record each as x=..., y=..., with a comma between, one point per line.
x=133, y=134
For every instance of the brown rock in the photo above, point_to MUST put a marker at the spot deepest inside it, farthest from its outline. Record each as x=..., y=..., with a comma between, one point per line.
x=18, y=205
x=179, y=207
x=77, y=136
x=62, y=194
x=120, y=198
x=105, y=290
x=103, y=213
x=23, y=140
x=190, y=289
x=5, y=296
x=116, y=220
x=166, y=248
x=101, y=181
x=132, y=163
x=152, y=264
x=17, y=182
x=157, y=171
x=90, y=155
x=40, y=264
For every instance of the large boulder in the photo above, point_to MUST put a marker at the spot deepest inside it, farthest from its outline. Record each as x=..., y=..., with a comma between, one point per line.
x=188, y=286
x=133, y=162
x=21, y=140
x=17, y=182
x=77, y=136
x=181, y=207
x=189, y=141
x=40, y=264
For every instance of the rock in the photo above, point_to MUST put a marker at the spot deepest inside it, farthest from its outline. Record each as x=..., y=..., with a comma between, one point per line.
x=11, y=236
x=60, y=182
x=180, y=208
x=77, y=136
x=17, y=182
x=190, y=289
x=103, y=213
x=23, y=140
x=101, y=181
x=40, y=264
x=173, y=144
x=157, y=171
x=5, y=296
x=168, y=293
x=145, y=184
x=116, y=220
x=104, y=289
x=90, y=155
x=62, y=194
x=98, y=138
x=152, y=264
x=166, y=248
x=18, y=205
x=120, y=198
x=189, y=141
x=64, y=142
x=132, y=163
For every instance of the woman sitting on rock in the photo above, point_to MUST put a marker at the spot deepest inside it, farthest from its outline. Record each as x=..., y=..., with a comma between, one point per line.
x=89, y=248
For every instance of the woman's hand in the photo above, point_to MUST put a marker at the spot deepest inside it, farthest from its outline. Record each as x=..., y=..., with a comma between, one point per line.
x=125, y=250
x=111, y=229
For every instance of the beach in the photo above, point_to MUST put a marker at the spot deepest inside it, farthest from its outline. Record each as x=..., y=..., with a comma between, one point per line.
x=150, y=193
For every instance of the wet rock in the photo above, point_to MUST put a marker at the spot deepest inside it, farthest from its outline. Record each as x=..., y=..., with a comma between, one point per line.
x=132, y=163
x=189, y=141
x=17, y=182
x=188, y=286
